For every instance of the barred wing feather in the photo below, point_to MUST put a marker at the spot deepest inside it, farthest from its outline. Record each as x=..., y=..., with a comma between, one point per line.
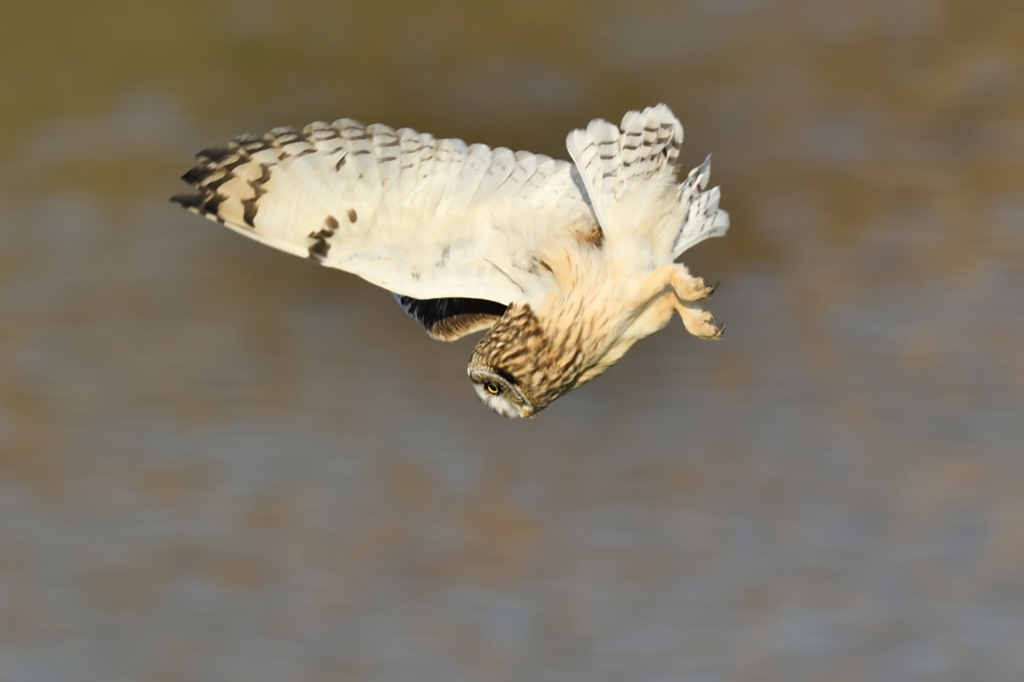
x=421, y=217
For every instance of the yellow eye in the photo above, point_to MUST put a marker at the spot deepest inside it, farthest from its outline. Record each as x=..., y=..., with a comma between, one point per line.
x=492, y=388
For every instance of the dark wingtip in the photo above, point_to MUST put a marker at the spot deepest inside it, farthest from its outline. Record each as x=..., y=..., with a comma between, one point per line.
x=195, y=175
x=216, y=154
x=189, y=201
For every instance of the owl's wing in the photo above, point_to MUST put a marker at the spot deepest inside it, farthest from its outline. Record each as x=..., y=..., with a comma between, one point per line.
x=447, y=319
x=427, y=219
x=630, y=176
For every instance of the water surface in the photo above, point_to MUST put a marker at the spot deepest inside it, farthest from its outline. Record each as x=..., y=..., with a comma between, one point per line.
x=218, y=462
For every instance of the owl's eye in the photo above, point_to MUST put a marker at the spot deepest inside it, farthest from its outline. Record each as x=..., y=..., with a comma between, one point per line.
x=492, y=388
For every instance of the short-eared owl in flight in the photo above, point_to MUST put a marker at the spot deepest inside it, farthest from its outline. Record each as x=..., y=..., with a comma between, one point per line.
x=565, y=264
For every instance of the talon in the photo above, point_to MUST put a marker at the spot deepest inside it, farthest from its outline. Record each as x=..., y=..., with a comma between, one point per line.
x=701, y=324
x=711, y=328
x=697, y=290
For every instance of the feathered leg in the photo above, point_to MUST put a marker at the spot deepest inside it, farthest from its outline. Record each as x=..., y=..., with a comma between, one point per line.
x=700, y=323
x=688, y=287
x=685, y=289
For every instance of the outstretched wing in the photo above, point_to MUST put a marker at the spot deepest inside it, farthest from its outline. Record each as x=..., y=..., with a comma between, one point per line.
x=424, y=218
x=630, y=178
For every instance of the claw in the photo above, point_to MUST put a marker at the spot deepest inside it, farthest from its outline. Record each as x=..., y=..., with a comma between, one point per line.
x=711, y=328
x=701, y=324
x=697, y=290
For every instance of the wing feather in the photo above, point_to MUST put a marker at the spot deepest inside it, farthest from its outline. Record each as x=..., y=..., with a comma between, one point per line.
x=425, y=160
x=503, y=162
x=447, y=319
x=362, y=162
x=386, y=149
x=478, y=159
x=425, y=218
x=703, y=217
x=451, y=163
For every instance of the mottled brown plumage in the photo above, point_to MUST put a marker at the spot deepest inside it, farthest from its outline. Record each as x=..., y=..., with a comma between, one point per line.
x=543, y=361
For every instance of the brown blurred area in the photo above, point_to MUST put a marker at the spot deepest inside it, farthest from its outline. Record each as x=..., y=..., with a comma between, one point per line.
x=218, y=462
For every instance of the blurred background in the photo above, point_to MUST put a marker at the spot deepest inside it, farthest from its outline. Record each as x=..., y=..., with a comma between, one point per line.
x=219, y=462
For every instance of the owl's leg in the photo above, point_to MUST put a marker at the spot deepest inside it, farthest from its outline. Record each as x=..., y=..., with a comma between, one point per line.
x=688, y=287
x=655, y=316
x=698, y=322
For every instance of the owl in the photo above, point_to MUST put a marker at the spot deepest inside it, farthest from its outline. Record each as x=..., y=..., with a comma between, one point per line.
x=565, y=265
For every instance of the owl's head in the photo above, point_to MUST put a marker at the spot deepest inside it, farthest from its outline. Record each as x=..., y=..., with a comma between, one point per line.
x=518, y=368
x=501, y=392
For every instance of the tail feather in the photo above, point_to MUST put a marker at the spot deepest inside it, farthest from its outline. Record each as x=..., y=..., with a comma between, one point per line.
x=629, y=173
